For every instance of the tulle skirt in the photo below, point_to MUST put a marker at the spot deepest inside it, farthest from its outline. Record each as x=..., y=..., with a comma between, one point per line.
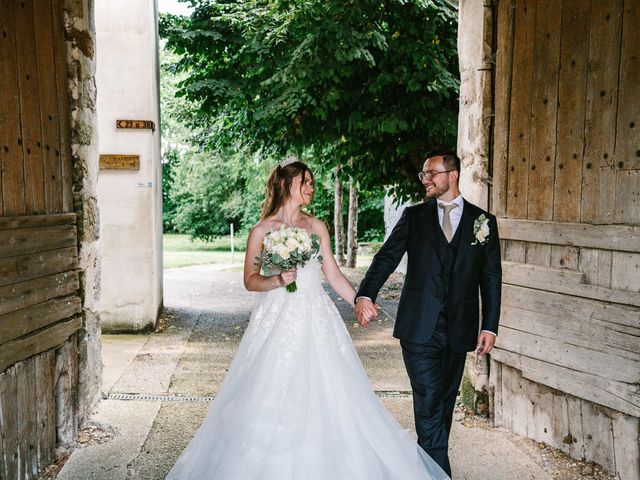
x=296, y=403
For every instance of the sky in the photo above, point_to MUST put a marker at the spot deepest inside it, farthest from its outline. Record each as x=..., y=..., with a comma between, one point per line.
x=173, y=6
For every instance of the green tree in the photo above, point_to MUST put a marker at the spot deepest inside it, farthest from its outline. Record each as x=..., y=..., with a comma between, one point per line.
x=370, y=84
x=207, y=191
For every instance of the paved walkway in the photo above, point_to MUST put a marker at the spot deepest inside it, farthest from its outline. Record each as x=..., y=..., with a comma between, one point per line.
x=157, y=388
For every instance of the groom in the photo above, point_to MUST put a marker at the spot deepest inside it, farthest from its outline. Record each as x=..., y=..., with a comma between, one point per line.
x=453, y=250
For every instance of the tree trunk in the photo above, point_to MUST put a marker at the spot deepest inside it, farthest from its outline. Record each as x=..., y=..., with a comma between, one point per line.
x=338, y=220
x=352, y=236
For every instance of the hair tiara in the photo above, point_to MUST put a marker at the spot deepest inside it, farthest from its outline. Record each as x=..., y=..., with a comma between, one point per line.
x=288, y=160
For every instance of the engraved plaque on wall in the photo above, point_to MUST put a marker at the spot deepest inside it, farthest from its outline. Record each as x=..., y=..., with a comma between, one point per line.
x=136, y=124
x=119, y=162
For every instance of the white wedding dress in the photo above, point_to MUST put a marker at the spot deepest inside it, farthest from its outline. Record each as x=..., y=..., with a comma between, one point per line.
x=296, y=403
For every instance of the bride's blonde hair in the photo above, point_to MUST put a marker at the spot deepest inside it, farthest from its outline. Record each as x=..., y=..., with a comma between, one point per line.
x=279, y=186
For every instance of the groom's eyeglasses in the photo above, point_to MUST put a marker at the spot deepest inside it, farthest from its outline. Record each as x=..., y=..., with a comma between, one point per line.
x=429, y=174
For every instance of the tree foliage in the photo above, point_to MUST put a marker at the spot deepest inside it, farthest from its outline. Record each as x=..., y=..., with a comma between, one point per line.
x=370, y=84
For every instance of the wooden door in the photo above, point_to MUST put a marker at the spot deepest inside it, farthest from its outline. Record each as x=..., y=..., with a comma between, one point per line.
x=40, y=306
x=566, y=159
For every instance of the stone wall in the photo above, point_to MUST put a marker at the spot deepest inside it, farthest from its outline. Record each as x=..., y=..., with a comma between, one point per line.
x=475, y=33
x=80, y=38
x=474, y=119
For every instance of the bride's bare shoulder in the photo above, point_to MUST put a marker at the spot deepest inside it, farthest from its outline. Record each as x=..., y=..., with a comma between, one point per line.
x=317, y=225
x=263, y=227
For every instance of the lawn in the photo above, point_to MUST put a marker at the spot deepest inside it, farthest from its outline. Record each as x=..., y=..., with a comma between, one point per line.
x=181, y=251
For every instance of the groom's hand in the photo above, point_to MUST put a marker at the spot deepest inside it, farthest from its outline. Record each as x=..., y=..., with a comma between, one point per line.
x=486, y=341
x=366, y=310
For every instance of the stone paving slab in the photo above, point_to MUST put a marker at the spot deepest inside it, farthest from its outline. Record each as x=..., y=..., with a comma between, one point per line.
x=131, y=423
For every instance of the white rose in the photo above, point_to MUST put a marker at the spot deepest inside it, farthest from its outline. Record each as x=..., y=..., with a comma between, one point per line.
x=284, y=252
x=292, y=243
x=483, y=232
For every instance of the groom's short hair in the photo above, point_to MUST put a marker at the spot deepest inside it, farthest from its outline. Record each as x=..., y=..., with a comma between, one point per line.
x=449, y=157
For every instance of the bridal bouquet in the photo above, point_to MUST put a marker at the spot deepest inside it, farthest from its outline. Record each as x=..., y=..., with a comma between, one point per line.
x=288, y=247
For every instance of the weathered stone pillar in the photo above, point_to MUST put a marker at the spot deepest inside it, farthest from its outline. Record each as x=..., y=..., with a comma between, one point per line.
x=81, y=65
x=475, y=33
x=130, y=199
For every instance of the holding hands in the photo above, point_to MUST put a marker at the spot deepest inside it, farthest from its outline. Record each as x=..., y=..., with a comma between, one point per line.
x=366, y=311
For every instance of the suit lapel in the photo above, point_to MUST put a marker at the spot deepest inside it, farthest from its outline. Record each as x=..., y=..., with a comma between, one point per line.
x=432, y=228
x=465, y=228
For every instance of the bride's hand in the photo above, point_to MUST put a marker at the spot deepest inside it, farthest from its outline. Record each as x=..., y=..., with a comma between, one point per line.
x=288, y=276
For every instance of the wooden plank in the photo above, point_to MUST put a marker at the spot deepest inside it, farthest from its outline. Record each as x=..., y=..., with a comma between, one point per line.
x=502, y=94
x=598, y=176
x=574, y=412
x=627, y=208
x=29, y=108
x=8, y=424
x=25, y=347
x=29, y=221
x=540, y=423
x=538, y=254
x=598, y=432
x=625, y=271
x=615, y=318
x=514, y=250
x=604, y=337
x=31, y=240
x=572, y=91
x=606, y=365
x=520, y=110
x=619, y=396
x=46, y=406
x=27, y=427
x=588, y=264
x=607, y=237
x=13, y=202
x=569, y=282
x=605, y=262
x=45, y=59
x=63, y=153
x=39, y=290
x=564, y=257
x=66, y=392
x=35, y=265
x=626, y=445
x=628, y=118
x=544, y=108
x=28, y=320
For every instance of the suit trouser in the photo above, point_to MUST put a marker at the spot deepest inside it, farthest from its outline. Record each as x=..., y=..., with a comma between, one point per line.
x=435, y=372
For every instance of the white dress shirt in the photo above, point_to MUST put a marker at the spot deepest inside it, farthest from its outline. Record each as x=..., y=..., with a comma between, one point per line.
x=455, y=214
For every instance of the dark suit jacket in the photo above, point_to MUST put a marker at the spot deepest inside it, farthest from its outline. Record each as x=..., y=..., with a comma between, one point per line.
x=476, y=267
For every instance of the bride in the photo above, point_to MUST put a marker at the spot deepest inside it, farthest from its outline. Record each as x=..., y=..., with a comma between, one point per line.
x=296, y=403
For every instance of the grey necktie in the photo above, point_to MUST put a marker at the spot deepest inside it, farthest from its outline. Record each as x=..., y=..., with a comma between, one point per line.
x=446, y=220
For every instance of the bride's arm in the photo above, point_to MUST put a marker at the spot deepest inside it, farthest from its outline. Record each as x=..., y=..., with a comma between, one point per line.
x=254, y=281
x=330, y=268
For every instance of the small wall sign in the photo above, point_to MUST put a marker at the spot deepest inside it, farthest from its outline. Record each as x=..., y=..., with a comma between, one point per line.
x=136, y=124
x=119, y=162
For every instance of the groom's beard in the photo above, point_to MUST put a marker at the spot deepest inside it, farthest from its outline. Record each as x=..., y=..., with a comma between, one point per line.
x=436, y=192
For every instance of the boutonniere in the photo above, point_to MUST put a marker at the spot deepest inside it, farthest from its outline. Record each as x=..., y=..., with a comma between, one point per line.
x=481, y=230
